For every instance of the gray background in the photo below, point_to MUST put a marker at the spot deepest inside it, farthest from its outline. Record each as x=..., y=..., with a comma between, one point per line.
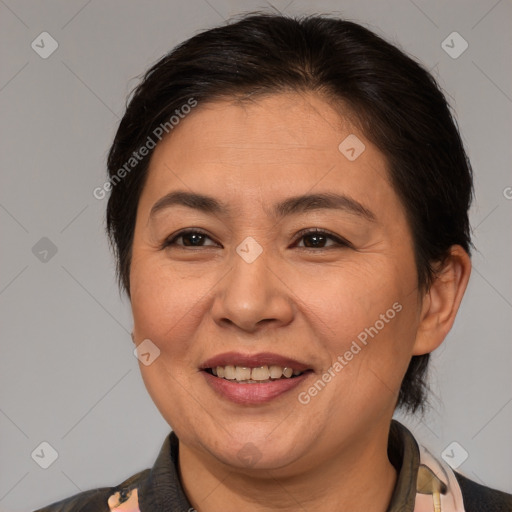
x=67, y=372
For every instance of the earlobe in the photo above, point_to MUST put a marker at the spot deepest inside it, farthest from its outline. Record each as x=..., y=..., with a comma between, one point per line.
x=441, y=302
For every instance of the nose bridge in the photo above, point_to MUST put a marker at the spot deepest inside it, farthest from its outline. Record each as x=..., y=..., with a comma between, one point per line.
x=250, y=291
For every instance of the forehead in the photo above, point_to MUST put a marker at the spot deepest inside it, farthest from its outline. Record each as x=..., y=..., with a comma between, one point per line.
x=299, y=124
x=273, y=146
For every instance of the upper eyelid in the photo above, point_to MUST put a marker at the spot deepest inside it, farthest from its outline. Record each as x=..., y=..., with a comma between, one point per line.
x=302, y=233
x=336, y=238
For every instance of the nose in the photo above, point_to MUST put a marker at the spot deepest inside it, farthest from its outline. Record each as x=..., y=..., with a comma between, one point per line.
x=253, y=296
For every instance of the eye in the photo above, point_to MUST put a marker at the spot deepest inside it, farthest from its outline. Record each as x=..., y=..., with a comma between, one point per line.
x=318, y=237
x=190, y=238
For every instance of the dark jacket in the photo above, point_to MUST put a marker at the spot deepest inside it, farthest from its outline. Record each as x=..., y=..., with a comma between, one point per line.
x=159, y=488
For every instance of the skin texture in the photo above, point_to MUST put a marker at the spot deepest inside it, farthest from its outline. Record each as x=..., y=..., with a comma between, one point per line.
x=295, y=300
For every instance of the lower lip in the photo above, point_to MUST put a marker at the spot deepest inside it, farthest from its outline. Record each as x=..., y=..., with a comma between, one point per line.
x=247, y=394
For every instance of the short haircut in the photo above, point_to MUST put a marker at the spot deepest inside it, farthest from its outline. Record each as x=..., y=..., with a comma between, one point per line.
x=392, y=98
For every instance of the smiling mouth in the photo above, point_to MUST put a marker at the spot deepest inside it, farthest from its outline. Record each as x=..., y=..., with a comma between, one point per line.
x=254, y=375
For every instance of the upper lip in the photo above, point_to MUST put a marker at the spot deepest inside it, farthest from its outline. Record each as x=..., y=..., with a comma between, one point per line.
x=253, y=361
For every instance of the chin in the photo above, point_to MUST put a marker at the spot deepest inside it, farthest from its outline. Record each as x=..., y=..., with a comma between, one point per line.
x=256, y=452
x=251, y=457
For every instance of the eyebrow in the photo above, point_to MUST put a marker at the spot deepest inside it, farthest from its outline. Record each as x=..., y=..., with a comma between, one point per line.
x=290, y=206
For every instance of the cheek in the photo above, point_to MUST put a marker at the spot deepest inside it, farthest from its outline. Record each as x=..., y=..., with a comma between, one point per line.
x=348, y=299
x=164, y=309
x=369, y=319
x=163, y=305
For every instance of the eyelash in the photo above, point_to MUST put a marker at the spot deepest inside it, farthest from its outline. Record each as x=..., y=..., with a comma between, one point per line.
x=341, y=242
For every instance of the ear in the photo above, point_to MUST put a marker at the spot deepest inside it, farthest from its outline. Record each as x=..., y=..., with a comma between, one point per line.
x=441, y=302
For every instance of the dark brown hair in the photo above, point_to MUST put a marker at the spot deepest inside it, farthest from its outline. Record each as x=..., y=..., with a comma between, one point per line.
x=397, y=103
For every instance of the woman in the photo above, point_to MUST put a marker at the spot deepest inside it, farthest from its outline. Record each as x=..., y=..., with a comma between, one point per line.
x=289, y=211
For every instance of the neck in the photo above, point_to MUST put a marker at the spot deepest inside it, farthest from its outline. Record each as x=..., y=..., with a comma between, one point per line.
x=355, y=478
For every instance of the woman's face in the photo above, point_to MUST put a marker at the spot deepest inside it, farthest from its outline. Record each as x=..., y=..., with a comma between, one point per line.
x=346, y=308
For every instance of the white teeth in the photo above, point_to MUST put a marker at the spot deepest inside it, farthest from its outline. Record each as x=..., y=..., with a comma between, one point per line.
x=229, y=372
x=260, y=373
x=276, y=372
x=242, y=373
x=254, y=375
x=287, y=372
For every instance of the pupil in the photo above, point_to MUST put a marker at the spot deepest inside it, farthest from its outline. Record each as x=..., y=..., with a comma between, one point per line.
x=192, y=236
x=197, y=238
x=311, y=237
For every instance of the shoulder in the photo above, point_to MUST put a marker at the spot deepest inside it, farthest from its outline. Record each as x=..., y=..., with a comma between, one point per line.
x=95, y=500
x=478, y=498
